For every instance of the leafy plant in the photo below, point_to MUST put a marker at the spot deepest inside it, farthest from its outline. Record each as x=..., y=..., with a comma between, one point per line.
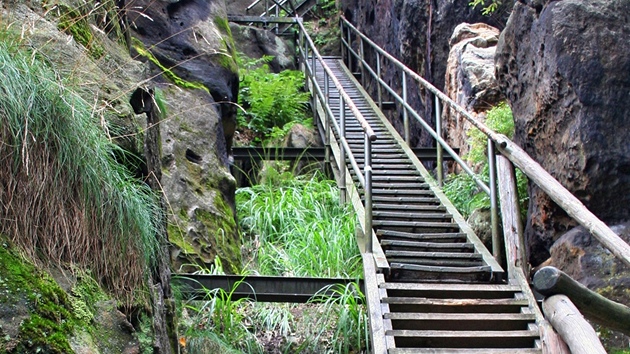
x=461, y=189
x=493, y=5
x=271, y=101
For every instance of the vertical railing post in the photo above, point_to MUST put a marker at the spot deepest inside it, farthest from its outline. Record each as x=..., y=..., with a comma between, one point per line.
x=361, y=60
x=342, y=162
x=349, y=45
x=343, y=49
x=327, y=122
x=438, y=146
x=368, y=193
x=379, y=89
x=266, y=8
x=277, y=16
x=497, y=245
x=405, y=113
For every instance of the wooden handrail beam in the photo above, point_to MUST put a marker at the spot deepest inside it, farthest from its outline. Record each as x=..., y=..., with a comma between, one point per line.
x=552, y=281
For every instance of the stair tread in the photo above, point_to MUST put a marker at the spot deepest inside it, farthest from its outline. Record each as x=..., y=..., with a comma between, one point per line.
x=464, y=351
x=419, y=215
x=420, y=254
x=450, y=287
x=459, y=316
x=477, y=334
x=437, y=245
x=421, y=236
x=440, y=269
x=455, y=302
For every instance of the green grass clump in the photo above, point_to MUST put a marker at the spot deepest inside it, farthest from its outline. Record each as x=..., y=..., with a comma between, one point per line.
x=301, y=228
x=461, y=188
x=68, y=200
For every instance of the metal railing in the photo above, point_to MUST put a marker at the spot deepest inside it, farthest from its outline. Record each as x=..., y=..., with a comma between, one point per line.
x=310, y=58
x=380, y=54
x=355, y=50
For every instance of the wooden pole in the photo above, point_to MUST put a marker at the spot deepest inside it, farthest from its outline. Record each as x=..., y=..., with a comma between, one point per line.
x=571, y=325
x=551, y=281
x=510, y=215
x=552, y=343
x=563, y=198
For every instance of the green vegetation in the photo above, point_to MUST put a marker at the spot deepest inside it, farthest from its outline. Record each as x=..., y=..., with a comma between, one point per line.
x=272, y=102
x=490, y=8
x=300, y=226
x=461, y=188
x=47, y=311
x=293, y=226
x=70, y=201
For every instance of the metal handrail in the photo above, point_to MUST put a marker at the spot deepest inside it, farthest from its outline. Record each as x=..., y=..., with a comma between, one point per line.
x=554, y=189
x=305, y=47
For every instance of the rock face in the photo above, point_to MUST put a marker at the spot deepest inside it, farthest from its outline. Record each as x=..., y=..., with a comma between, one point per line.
x=257, y=42
x=417, y=32
x=470, y=79
x=190, y=46
x=582, y=257
x=564, y=67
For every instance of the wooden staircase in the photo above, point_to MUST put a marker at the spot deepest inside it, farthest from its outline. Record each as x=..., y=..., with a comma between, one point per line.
x=440, y=290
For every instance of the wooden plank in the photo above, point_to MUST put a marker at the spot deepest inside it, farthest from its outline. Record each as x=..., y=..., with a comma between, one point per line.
x=392, y=233
x=572, y=327
x=559, y=194
x=510, y=215
x=260, y=19
x=435, y=245
x=373, y=299
x=551, y=342
x=465, y=334
x=437, y=262
x=465, y=351
x=455, y=302
x=400, y=214
x=451, y=287
x=440, y=269
x=460, y=316
x=416, y=224
x=418, y=254
x=613, y=315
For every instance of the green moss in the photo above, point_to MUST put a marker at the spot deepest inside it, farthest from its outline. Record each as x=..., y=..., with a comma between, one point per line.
x=84, y=296
x=75, y=24
x=223, y=226
x=227, y=59
x=49, y=321
x=139, y=47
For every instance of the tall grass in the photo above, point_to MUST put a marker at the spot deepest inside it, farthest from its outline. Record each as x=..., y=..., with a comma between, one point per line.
x=299, y=228
x=65, y=199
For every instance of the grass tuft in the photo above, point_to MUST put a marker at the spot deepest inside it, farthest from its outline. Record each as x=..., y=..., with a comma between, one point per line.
x=65, y=199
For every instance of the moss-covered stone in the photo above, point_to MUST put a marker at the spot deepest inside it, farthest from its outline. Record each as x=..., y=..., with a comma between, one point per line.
x=45, y=310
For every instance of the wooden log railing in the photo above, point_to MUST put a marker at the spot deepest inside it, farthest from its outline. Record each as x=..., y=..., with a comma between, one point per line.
x=551, y=281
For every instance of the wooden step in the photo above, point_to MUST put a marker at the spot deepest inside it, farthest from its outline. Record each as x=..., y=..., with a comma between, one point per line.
x=451, y=291
x=461, y=321
x=416, y=224
x=464, y=339
x=411, y=215
x=405, y=200
x=402, y=193
x=438, y=269
x=464, y=351
x=428, y=237
x=458, y=305
x=399, y=185
x=428, y=246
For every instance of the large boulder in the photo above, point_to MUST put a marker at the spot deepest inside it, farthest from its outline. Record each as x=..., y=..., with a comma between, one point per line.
x=564, y=66
x=190, y=47
x=470, y=80
x=418, y=33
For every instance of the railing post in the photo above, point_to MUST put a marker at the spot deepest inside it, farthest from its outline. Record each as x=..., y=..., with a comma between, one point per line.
x=405, y=113
x=438, y=146
x=497, y=245
x=342, y=162
x=361, y=60
x=327, y=121
x=368, y=193
x=266, y=8
x=277, y=16
x=343, y=50
x=379, y=89
x=348, y=45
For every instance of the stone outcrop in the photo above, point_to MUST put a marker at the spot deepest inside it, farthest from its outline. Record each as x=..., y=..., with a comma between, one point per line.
x=417, y=32
x=564, y=66
x=470, y=79
x=256, y=42
x=190, y=47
